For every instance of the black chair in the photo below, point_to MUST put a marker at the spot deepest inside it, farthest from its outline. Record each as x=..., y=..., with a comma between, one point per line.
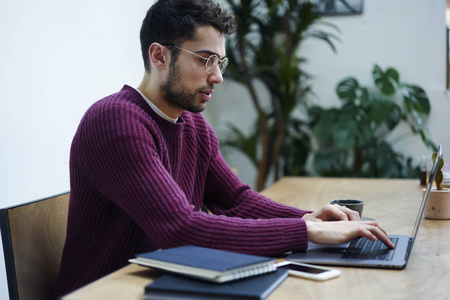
x=33, y=237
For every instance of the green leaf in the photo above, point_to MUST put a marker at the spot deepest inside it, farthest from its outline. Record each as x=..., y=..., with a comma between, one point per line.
x=393, y=74
x=380, y=111
x=394, y=117
x=326, y=162
x=347, y=89
x=365, y=97
x=441, y=163
x=297, y=147
x=385, y=82
x=416, y=98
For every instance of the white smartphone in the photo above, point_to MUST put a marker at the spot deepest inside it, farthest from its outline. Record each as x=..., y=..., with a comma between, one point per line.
x=309, y=271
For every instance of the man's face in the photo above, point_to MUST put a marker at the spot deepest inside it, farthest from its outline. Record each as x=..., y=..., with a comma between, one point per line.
x=188, y=86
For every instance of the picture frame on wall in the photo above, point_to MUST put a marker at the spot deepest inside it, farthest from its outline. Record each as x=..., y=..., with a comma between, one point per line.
x=340, y=7
x=447, y=59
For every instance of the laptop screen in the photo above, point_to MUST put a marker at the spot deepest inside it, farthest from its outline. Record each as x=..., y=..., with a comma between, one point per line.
x=427, y=191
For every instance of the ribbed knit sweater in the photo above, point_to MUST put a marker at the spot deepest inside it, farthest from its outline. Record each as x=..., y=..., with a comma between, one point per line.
x=138, y=183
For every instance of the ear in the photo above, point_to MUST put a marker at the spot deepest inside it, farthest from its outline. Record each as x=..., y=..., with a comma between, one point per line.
x=158, y=55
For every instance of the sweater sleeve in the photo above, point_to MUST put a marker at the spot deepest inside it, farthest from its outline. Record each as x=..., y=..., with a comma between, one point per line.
x=117, y=154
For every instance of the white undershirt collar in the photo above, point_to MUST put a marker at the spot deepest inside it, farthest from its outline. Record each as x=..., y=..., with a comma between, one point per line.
x=156, y=109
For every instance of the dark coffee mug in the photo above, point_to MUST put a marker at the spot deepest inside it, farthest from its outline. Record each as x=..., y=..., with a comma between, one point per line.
x=356, y=205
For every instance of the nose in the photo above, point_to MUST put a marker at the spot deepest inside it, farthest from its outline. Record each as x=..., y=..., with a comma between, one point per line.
x=215, y=77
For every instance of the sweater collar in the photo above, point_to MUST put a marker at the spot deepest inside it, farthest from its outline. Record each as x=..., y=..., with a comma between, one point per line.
x=156, y=109
x=162, y=123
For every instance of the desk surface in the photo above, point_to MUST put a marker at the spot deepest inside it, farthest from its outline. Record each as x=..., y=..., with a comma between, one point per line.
x=392, y=202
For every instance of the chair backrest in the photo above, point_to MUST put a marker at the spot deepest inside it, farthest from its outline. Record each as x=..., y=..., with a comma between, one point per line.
x=33, y=237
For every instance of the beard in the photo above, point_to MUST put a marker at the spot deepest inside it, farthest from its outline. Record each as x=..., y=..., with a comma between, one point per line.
x=180, y=96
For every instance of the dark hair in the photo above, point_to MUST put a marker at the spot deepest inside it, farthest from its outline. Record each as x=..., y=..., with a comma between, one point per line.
x=175, y=21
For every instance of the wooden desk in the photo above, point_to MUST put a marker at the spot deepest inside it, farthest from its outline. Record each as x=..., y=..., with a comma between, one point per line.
x=393, y=203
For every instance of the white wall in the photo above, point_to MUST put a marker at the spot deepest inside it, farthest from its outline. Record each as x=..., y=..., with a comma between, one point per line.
x=58, y=57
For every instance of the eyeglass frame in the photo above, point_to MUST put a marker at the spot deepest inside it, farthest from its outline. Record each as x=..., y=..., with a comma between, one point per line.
x=222, y=63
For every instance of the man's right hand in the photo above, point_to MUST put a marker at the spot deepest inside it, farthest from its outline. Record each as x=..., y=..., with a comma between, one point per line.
x=344, y=231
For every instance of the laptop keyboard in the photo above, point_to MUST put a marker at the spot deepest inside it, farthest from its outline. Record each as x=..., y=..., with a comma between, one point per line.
x=363, y=248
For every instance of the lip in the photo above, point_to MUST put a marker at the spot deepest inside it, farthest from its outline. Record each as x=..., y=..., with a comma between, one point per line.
x=206, y=94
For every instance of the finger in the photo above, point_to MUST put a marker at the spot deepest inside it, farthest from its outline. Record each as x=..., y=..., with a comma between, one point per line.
x=374, y=223
x=374, y=232
x=337, y=213
x=351, y=215
x=382, y=236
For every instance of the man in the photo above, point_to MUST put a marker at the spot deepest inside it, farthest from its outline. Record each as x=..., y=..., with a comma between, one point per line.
x=144, y=161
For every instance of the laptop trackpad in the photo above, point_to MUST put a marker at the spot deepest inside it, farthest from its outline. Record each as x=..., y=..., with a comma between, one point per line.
x=339, y=248
x=318, y=250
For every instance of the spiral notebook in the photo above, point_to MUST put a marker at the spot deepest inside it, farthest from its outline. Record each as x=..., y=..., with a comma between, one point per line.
x=205, y=263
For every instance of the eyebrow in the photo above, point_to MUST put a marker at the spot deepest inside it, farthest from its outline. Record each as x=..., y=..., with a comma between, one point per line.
x=210, y=53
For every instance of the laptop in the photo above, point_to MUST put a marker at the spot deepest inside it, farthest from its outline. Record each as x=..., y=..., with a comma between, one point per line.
x=362, y=252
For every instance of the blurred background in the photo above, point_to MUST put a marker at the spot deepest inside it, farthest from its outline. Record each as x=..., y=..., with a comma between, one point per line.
x=388, y=58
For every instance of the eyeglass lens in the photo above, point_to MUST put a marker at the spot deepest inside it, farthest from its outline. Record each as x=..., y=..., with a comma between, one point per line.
x=213, y=61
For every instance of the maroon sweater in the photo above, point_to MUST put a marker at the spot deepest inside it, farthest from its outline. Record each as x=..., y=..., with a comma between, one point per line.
x=138, y=183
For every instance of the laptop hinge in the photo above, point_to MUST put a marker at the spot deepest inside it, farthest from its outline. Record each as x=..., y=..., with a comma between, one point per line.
x=408, y=250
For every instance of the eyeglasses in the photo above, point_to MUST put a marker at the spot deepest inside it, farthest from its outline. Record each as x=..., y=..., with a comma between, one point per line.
x=210, y=63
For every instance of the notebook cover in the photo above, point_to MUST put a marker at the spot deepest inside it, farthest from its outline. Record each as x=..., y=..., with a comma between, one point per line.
x=205, y=258
x=171, y=286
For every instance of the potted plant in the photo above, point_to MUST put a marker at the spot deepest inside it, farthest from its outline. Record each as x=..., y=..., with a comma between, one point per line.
x=266, y=49
x=438, y=206
x=356, y=140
